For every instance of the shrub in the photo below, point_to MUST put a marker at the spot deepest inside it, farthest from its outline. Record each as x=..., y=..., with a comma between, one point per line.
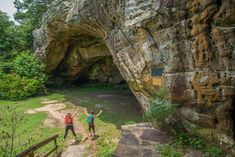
x=27, y=80
x=167, y=150
x=29, y=66
x=162, y=93
x=161, y=108
x=162, y=111
x=184, y=139
x=212, y=151
x=13, y=87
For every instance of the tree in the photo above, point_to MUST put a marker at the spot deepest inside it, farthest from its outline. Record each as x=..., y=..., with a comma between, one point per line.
x=6, y=39
x=13, y=39
x=31, y=11
x=21, y=73
x=29, y=66
x=27, y=78
x=29, y=14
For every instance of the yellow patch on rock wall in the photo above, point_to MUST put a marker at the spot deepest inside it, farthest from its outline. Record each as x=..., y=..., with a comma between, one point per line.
x=158, y=81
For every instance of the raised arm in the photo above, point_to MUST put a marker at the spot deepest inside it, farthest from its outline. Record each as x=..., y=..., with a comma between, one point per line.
x=86, y=112
x=74, y=114
x=99, y=113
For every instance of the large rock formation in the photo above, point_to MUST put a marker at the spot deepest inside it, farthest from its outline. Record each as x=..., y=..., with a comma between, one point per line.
x=189, y=43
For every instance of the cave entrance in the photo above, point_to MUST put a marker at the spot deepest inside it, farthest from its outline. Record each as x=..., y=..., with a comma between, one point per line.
x=87, y=67
x=103, y=88
x=101, y=71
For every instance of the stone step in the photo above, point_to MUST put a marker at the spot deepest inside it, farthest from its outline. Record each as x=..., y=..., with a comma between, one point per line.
x=74, y=151
x=139, y=140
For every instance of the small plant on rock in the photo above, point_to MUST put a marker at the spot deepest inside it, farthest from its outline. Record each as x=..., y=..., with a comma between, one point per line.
x=162, y=110
x=212, y=151
x=184, y=139
x=196, y=142
x=166, y=150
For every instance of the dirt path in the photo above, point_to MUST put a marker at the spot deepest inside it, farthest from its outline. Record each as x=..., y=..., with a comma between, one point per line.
x=56, y=113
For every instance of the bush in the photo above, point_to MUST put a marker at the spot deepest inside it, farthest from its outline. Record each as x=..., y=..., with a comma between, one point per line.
x=187, y=140
x=162, y=94
x=29, y=66
x=27, y=80
x=13, y=87
x=161, y=108
x=167, y=150
x=212, y=151
x=162, y=112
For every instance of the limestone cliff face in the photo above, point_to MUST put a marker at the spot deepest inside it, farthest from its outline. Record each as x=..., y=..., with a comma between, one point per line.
x=192, y=42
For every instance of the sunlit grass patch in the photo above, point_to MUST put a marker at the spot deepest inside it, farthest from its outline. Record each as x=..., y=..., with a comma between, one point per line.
x=31, y=130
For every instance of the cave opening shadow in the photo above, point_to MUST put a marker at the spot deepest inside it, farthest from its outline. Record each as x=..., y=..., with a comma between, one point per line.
x=233, y=118
x=82, y=80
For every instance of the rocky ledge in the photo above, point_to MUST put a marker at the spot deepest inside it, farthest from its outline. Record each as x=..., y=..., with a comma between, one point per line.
x=140, y=140
x=186, y=45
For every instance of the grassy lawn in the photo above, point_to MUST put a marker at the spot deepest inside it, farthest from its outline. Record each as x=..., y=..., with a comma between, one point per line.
x=31, y=130
x=118, y=105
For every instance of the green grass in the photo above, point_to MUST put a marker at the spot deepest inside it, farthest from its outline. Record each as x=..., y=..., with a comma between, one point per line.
x=108, y=136
x=114, y=115
x=31, y=130
x=113, y=112
x=107, y=125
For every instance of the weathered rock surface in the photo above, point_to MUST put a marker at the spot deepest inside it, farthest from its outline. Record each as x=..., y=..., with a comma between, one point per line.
x=140, y=140
x=191, y=41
